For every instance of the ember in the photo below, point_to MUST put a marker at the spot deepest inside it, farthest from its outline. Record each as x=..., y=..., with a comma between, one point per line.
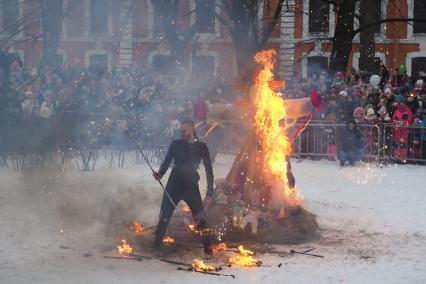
x=137, y=228
x=124, y=248
x=244, y=258
x=199, y=265
x=220, y=247
x=168, y=240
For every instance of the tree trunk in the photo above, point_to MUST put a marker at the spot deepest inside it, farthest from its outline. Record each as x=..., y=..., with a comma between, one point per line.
x=343, y=36
x=367, y=41
x=51, y=24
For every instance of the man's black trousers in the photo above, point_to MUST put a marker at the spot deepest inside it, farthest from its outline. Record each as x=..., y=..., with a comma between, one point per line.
x=182, y=186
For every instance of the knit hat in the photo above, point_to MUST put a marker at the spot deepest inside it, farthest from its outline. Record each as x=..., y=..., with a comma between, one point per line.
x=387, y=91
x=370, y=113
x=343, y=93
x=400, y=99
x=358, y=111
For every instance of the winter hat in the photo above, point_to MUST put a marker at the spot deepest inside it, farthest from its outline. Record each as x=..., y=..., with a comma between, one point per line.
x=343, y=93
x=400, y=99
x=317, y=101
x=358, y=112
x=382, y=109
x=387, y=91
x=419, y=84
x=370, y=113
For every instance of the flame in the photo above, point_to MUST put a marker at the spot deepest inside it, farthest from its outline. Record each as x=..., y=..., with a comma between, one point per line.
x=269, y=115
x=186, y=209
x=137, y=228
x=244, y=258
x=199, y=265
x=220, y=247
x=168, y=240
x=124, y=248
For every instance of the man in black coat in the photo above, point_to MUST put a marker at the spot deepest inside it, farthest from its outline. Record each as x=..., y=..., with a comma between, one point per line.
x=350, y=144
x=186, y=153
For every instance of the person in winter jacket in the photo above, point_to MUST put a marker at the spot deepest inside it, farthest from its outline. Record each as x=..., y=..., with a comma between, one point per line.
x=350, y=144
x=401, y=118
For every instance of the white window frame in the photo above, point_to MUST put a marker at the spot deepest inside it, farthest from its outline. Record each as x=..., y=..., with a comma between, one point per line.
x=21, y=4
x=91, y=52
x=204, y=52
x=410, y=29
x=410, y=56
x=331, y=19
x=205, y=36
x=87, y=32
x=357, y=55
x=314, y=53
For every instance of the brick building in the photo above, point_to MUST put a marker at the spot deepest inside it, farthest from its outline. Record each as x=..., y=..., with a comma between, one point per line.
x=117, y=33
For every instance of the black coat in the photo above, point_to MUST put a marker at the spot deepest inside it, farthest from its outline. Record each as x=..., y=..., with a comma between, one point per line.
x=350, y=139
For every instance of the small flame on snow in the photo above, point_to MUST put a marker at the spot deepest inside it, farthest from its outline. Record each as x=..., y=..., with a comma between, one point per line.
x=168, y=240
x=137, y=228
x=124, y=248
x=220, y=247
x=244, y=258
x=199, y=265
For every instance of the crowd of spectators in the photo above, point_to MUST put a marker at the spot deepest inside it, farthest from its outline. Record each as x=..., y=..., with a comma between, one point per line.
x=391, y=97
x=33, y=96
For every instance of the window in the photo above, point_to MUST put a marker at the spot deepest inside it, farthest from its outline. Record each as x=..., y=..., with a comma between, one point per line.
x=99, y=62
x=58, y=60
x=316, y=64
x=158, y=25
x=98, y=16
x=163, y=62
x=419, y=14
x=204, y=16
x=202, y=67
x=10, y=14
x=377, y=16
x=418, y=64
x=377, y=62
x=319, y=16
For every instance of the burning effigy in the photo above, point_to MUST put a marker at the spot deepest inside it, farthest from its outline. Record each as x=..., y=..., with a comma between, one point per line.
x=259, y=200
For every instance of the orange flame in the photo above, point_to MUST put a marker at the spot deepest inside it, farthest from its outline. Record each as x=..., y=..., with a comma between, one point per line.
x=220, y=247
x=270, y=113
x=168, y=240
x=124, y=248
x=199, y=265
x=137, y=228
x=244, y=258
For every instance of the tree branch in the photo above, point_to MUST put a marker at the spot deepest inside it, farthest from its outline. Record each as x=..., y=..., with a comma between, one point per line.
x=388, y=20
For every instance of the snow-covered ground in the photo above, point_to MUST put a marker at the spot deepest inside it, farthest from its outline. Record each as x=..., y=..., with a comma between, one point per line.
x=56, y=224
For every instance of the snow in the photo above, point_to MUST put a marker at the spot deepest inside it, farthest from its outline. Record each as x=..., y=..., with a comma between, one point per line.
x=54, y=226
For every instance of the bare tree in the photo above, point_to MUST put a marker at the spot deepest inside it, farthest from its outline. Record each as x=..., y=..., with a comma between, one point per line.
x=249, y=33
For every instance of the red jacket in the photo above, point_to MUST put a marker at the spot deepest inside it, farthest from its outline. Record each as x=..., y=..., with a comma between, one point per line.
x=403, y=114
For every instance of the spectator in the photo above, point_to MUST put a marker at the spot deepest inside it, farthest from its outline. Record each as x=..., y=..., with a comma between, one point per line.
x=350, y=144
x=401, y=118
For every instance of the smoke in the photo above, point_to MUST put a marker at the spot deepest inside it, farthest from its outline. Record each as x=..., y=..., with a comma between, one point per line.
x=104, y=202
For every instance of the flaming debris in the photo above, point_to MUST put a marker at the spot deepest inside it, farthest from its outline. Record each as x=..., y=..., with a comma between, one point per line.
x=244, y=258
x=268, y=122
x=199, y=265
x=167, y=240
x=124, y=248
x=137, y=228
x=220, y=247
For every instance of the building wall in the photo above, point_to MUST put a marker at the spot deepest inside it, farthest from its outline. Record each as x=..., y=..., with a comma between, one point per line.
x=396, y=44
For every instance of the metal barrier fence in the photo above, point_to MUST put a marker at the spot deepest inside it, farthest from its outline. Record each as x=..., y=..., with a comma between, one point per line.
x=381, y=142
x=87, y=136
